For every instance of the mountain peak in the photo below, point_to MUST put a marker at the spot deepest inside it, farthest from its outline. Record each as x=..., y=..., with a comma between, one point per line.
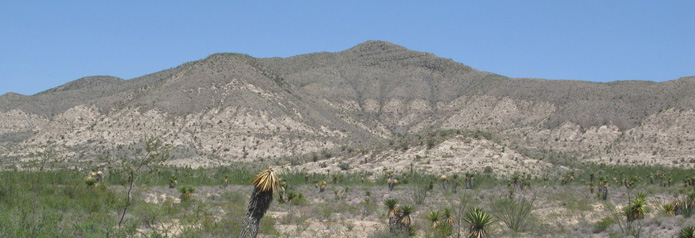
x=87, y=82
x=12, y=94
x=372, y=46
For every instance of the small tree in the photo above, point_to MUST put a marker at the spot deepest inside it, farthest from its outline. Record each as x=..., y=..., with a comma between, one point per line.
x=155, y=154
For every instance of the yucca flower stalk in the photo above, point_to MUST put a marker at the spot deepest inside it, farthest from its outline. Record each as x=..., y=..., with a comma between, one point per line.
x=264, y=185
x=478, y=221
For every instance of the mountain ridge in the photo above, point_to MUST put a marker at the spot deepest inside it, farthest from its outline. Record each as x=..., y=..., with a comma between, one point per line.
x=236, y=107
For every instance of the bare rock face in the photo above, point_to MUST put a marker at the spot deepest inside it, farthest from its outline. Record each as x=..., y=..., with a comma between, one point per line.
x=15, y=121
x=666, y=138
x=230, y=108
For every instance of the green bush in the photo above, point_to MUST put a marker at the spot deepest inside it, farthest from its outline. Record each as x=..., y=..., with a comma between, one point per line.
x=514, y=213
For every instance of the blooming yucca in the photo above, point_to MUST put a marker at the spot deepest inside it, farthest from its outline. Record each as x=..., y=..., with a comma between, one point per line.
x=264, y=185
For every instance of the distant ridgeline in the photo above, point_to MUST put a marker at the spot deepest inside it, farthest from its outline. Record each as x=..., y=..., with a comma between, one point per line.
x=349, y=105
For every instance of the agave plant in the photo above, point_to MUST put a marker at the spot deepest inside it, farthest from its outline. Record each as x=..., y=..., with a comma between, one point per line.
x=478, y=221
x=264, y=185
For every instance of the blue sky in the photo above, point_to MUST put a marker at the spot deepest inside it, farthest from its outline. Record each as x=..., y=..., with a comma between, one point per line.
x=44, y=44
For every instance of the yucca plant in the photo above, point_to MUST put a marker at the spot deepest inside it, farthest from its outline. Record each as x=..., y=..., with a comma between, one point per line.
x=173, y=182
x=687, y=232
x=264, y=185
x=322, y=186
x=669, y=209
x=604, y=194
x=405, y=220
x=454, y=182
x=637, y=207
x=478, y=221
x=448, y=217
x=392, y=206
x=393, y=214
x=392, y=182
x=433, y=217
x=445, y=181
x=186, y=193
x=591, y=187
x=90, y=181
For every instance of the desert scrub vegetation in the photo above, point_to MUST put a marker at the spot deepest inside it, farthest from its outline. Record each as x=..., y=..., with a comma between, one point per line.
x=56, y=202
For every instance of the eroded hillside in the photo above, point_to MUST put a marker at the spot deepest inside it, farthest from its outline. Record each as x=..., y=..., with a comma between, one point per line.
x=230, y=107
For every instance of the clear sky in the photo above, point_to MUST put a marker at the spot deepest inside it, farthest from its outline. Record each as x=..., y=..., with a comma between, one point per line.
x=44, y=44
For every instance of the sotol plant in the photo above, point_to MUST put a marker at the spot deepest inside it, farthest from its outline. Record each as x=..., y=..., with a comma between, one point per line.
x=264, y=185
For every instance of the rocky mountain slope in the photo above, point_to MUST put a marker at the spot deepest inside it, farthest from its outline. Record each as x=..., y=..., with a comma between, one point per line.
x=230, y=107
